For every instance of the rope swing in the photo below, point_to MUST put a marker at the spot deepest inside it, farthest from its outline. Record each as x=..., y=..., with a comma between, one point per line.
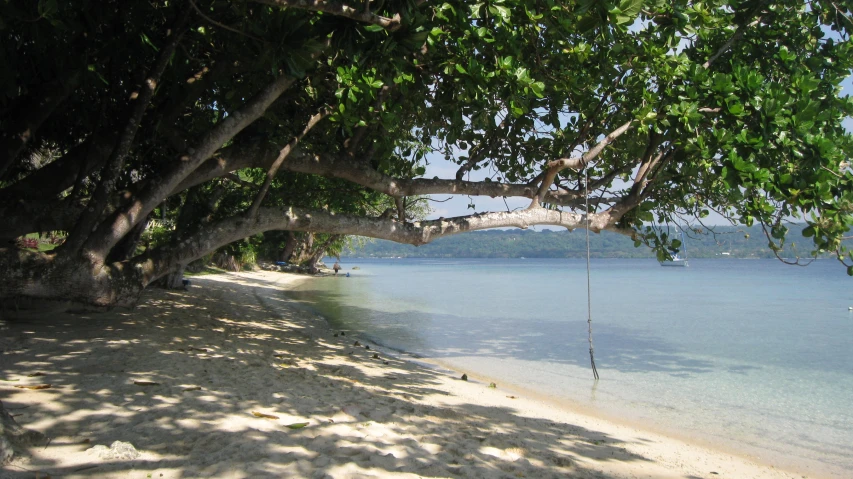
x=588, y=289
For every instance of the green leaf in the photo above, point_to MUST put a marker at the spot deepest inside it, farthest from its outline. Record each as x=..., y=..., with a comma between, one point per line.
x=374, y=28
x=296, y=425
x=147, y=41
x=460, y=69
x=501, y=12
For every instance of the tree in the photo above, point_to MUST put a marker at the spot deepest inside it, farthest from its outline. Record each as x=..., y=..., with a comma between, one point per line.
x=112, y=110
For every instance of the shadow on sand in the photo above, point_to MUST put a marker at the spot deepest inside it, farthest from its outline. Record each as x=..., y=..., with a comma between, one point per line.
x=225, y=349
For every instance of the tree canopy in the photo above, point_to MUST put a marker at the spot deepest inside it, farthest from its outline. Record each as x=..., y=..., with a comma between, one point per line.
x=321, y=113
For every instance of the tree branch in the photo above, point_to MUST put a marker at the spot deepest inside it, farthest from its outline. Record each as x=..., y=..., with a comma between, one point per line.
x=338, y=9
x=110, y=174
x=736, y=36
x=576, y=163
x=283, y=154
x=111, y=231
x=59, y=175
x=163, y=260
x=226, y=27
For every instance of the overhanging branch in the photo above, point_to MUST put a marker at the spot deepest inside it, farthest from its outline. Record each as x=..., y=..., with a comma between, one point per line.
x=338, y=9
x=215, y=235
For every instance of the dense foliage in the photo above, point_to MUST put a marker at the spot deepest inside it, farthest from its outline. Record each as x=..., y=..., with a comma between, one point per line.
x=314, y=117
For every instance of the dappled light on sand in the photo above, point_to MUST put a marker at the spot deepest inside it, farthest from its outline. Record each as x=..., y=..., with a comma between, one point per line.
x=231, y=379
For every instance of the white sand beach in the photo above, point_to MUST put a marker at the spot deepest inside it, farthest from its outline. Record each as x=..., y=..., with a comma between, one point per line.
x=232, y=380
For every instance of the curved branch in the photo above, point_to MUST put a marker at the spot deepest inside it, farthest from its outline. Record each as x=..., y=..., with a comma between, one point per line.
x=115, y=164
x=123, y=220
x=338, y=9
x=163, y=260
x=283, y=154
x=576, y=163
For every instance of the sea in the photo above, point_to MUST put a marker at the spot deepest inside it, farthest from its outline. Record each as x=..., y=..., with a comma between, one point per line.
x=752, y=357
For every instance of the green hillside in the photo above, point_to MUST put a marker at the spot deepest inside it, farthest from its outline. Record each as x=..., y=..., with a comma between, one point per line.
x=727, y=242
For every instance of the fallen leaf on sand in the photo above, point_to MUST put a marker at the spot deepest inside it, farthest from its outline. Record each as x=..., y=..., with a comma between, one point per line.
x=194, y=388
x=37, y=386
x=34, y=375
x=279, y=355
x=512, y=397
x=146, y=383
x=265, y=416
x=297, y=425
x=10, y=380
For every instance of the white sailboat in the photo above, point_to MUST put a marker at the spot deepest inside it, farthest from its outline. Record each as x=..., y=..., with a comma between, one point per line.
x=678, y=260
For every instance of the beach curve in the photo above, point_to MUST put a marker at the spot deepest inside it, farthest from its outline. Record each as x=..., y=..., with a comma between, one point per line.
x=230, y=379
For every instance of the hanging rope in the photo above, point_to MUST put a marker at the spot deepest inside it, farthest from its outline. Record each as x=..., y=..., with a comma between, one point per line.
x=588, y=289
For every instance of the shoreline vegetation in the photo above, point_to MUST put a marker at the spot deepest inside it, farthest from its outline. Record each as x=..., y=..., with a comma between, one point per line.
x=727, y=242
x=233, y=379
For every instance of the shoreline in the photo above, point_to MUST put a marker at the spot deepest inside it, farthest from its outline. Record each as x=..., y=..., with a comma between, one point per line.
x=762, y=456
x=572, y=408
x=233, y=346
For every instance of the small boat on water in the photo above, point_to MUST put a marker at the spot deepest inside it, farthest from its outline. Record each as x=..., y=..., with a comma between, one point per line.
x=678, y=260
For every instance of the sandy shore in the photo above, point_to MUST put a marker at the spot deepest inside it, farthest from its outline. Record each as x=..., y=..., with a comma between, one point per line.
x=184, y=377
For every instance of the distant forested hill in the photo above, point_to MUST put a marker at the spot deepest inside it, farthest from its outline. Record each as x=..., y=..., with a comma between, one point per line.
x=734, y=242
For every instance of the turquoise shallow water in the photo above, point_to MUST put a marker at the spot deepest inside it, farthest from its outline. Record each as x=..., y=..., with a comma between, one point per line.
x=750, y=355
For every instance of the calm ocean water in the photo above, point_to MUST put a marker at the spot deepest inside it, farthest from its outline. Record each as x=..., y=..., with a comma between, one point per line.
x=749, y=355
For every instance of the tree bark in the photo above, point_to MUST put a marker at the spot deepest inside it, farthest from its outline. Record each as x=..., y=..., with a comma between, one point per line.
x=175, y=279
x=59, y=175
x=115, y=164
x=160, y=262
x=289, y=247
x=319, y=252
x=119, y=223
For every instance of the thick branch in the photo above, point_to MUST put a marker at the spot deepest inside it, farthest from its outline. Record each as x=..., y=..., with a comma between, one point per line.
x=163, y=260
x=111, y=231
x=577, y=163
x=59, y=175
x=259, y=155
x=283, y=154
x=338, y=9
x=31, y=216
x=111, y=172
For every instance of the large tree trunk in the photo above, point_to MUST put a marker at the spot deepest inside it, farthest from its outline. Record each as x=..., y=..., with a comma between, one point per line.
x=14, y=438
x=319, y=252
x=305, y=245
x=289, y=247
x=175, y=279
